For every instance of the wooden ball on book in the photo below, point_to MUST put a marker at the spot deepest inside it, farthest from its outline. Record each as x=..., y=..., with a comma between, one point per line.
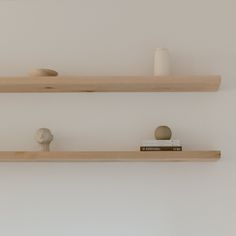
x=163, y=133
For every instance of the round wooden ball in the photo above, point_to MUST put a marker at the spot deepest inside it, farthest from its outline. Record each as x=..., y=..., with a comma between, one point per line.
x=163, y=133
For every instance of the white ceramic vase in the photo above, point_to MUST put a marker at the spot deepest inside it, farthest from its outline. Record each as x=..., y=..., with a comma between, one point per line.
x=162, y=62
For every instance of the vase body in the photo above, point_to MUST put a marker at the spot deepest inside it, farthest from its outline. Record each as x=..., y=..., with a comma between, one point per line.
x=162, y=62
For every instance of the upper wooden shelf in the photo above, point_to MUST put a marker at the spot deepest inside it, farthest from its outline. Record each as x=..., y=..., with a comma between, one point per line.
x=110, y=84
x=111, y=156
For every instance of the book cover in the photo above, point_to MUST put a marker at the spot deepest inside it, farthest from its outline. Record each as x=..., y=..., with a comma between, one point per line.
x=174, y=148
x=163, y=143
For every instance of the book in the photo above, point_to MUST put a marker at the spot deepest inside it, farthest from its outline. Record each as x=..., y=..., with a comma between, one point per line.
x=161, y=143
x=160, y=148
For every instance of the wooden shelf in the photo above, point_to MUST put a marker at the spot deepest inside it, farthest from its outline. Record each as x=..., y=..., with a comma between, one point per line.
x=111, y=156
x=110, y=84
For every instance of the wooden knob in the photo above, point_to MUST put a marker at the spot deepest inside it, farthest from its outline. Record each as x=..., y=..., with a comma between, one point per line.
x=43, y=72
x=44, y=137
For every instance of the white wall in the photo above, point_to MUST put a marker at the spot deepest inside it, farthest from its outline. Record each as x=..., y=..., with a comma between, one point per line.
x=119, y=38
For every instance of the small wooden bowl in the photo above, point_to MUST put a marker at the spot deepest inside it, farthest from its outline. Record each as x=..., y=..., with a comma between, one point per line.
x=43, y=72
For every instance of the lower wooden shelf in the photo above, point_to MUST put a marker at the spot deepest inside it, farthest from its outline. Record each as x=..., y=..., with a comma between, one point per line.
x=110, y=156
x=189, y=83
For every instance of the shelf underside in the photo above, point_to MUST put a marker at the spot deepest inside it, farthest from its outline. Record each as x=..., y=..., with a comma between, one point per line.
x=110, y=156
x=110, y=84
